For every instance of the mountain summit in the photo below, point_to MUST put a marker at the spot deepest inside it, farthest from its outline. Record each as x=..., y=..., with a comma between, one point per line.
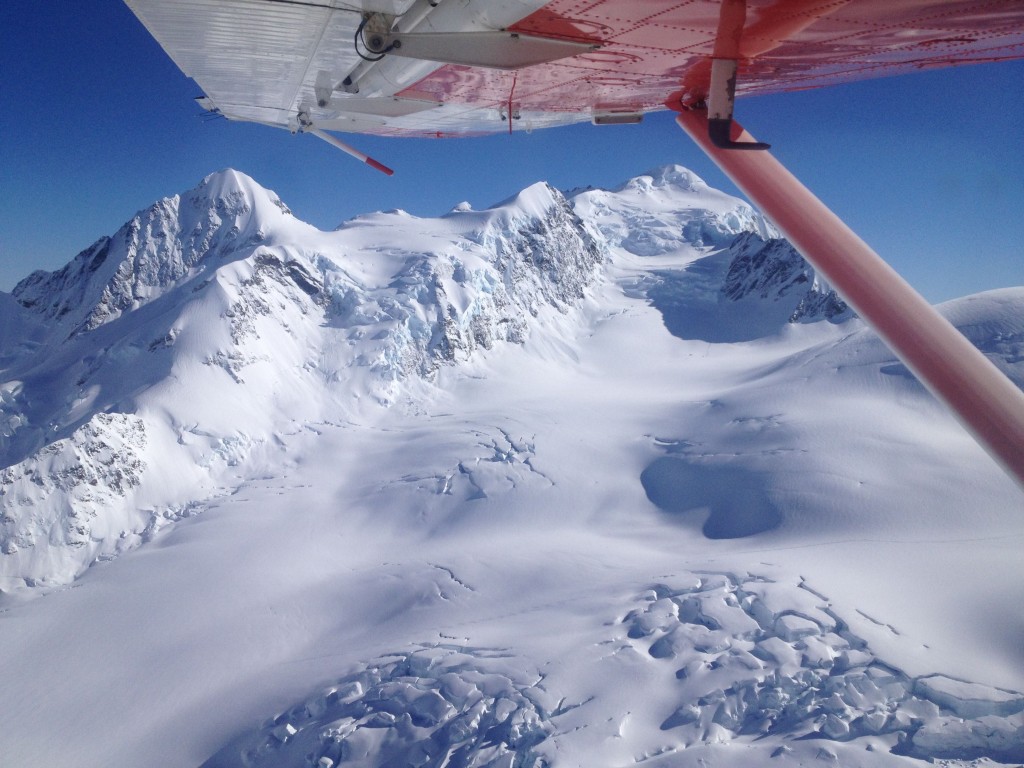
x=169, y=241
x=588, y=478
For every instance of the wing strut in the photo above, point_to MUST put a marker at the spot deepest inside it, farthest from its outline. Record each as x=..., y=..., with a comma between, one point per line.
x=986, y=401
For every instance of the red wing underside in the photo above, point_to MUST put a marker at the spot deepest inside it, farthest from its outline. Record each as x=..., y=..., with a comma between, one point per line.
x=654, y=51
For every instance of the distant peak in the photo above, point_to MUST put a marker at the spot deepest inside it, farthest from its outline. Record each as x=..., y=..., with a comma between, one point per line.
x=675, y=176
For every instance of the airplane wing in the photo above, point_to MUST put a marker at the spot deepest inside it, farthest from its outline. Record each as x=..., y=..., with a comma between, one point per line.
x=468, y=67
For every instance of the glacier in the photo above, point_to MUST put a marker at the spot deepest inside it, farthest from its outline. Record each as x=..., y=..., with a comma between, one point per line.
x=601, y=477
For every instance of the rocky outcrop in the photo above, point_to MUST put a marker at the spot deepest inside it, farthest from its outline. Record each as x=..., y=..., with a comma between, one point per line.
x=773, y=270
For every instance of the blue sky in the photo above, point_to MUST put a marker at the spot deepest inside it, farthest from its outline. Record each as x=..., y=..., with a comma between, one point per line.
x=96, y=123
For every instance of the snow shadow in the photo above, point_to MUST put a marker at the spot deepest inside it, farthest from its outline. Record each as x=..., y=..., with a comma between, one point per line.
x=737, y=500
x=692, y=307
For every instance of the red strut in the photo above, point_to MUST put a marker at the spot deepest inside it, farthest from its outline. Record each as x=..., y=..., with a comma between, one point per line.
x=986, y=401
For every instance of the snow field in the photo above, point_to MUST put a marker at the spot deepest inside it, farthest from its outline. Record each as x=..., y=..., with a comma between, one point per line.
x=409, y=537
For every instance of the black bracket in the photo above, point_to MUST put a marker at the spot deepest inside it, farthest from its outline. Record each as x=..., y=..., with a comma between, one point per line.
x=721, y=98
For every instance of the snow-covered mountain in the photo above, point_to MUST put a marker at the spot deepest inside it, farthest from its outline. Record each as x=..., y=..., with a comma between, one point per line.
x=214, y=320
x=591, y=478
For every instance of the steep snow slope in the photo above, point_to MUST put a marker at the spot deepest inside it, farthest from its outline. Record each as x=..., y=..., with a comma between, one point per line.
x=565, y=482
x=229, y=324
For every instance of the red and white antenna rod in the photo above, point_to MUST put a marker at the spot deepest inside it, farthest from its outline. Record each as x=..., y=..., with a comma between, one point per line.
x=334, y=141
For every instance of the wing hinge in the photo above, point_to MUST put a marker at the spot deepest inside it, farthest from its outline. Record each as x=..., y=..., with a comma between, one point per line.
x=721, y=99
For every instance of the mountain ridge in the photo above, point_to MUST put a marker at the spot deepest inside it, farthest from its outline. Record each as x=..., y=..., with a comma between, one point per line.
x=222, y=280
x=224, y=290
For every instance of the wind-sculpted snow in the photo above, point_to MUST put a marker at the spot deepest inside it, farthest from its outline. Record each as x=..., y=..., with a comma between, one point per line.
x=437, y=706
